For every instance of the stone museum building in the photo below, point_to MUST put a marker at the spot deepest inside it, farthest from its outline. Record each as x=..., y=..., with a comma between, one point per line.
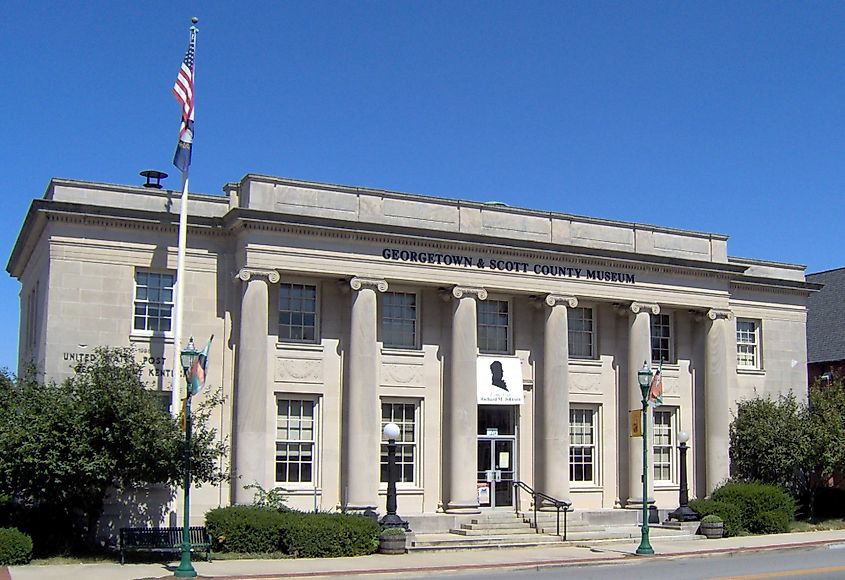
x=504, y=342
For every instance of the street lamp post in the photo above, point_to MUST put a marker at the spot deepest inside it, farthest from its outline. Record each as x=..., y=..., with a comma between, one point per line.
x=683, y=513
x=186, y=569
x=391, y=520
x=644, y=379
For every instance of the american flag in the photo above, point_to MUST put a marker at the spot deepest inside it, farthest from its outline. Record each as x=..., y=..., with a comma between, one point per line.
x=183, y=90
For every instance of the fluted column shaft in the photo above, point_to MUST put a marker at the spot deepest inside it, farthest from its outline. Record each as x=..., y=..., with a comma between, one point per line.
x=252, y=446
x=552, y=441
x=362, y=425
x=719, y=367
x=460, y=408
x=639, y=351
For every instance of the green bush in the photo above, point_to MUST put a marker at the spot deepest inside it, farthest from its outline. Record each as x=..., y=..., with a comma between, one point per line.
x=756, y=499
x=329, y=535
x=731, y=515
x=15, y=547
x=245, y=529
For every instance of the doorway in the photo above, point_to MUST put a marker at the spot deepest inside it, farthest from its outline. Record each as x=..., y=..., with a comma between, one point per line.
x=497, y=465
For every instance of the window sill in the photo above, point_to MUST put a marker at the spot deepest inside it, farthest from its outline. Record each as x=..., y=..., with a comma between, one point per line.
x=750, y=371
x=300, y=346
x=667, y=486
x=148, y=336
x=585, y=362
x=593, y=487
x=297, y=489
x=402, y=490
x=407, y=352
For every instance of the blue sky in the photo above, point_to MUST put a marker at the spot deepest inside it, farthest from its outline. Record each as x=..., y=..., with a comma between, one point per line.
x=724, y=117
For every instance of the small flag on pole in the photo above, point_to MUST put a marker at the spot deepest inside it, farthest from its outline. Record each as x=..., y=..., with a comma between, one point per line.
x=655, y=392
x=199, y=368
x=183, y=89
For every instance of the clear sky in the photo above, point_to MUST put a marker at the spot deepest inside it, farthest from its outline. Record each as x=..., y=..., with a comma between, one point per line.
x=723, y=117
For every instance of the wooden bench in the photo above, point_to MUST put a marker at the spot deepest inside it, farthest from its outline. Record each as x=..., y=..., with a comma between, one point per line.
x=164, y=540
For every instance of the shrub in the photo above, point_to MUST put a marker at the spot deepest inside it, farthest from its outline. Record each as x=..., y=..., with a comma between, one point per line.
x=756, y=499
x=730, y=514
x=329, y=535
x=711, y=519
x=15, y=547
x=246, y=529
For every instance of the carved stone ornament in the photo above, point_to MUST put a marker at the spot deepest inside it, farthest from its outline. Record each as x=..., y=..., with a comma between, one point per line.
x=247, y=274
x=372, y=283
x=461, y=291
x=715, y=313
x=560, y=300
x=636, y=307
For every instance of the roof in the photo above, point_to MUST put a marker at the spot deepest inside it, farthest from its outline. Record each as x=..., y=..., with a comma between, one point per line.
x=826, y=317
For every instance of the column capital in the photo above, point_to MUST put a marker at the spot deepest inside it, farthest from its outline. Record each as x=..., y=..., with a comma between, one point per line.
x=378, y=284
x=466, y=291
x=636, y=307
x=247, y=274
x=560, y=300
x=716, y=313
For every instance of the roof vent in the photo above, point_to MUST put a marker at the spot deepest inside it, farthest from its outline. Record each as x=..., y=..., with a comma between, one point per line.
x=496, y=203
x=154, y=178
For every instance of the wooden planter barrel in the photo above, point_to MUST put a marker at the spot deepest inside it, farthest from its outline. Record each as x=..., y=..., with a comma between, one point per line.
x=712, y=529
x=391, y=544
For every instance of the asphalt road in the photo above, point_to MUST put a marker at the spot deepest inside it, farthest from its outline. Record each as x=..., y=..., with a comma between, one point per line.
x=826, y=563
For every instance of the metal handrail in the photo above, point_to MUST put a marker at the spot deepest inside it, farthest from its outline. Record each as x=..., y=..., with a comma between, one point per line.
x=559, y=504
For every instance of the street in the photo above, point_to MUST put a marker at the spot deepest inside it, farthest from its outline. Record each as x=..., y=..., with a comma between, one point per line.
x=826, y=563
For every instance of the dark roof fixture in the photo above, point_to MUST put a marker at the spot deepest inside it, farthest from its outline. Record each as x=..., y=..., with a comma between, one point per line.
x=152, y=174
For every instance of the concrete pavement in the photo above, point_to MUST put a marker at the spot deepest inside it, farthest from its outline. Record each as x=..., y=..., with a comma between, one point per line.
x=430, y=562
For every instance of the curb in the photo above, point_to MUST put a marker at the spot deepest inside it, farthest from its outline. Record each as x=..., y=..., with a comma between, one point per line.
x=4, y=573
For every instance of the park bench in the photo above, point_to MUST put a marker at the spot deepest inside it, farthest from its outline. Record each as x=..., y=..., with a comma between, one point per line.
x=163, y=540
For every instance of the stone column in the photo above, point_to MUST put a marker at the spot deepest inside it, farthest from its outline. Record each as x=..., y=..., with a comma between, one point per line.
x=361, y=414
x=252, y=436
x=639, y=351
x=552, y=403
x=719, y=369
x=460, y=406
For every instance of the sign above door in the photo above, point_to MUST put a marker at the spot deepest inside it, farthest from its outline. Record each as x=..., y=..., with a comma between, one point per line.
x=499, y=380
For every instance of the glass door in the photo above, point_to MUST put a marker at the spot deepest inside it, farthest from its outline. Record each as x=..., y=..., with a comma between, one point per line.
x=496, y=471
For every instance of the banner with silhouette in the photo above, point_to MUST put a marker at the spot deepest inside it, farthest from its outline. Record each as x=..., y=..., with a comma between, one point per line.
x=499, y=380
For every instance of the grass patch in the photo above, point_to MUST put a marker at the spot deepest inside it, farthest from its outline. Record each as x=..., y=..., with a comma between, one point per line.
x=818, y=526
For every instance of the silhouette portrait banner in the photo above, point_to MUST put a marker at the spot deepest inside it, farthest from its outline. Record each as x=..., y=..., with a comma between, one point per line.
x=499, y=380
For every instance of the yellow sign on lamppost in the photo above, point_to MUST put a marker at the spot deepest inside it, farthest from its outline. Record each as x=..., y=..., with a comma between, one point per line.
x=636, y=421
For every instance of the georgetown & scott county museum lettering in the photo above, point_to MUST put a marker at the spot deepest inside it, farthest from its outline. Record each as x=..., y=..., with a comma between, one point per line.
x=499, y=265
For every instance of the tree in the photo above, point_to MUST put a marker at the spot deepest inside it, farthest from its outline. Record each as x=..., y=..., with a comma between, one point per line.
x=64, y=446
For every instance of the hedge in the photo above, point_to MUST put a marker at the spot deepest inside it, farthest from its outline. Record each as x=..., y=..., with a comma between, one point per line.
x=766, y=509
x=15, y=547
x=251, y=529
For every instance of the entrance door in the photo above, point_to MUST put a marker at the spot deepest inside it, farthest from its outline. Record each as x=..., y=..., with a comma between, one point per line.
x=496, y=455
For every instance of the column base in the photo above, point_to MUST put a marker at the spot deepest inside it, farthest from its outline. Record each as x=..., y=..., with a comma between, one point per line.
x=684, y=514
x=462, y=508
x=637, y=503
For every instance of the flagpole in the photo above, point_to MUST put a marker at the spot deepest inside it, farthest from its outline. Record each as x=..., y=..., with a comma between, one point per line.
x=179, y=298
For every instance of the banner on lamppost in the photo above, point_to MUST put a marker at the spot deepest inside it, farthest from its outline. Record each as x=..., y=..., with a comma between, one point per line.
x=636, y=421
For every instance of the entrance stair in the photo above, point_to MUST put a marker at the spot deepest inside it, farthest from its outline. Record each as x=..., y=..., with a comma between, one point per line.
x=507, y=529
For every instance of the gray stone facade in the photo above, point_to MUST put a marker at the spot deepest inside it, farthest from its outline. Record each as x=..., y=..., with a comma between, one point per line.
x=82, y=246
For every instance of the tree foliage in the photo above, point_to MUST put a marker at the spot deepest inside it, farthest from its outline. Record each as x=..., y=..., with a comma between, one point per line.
x=64, y=446
x=788, y=443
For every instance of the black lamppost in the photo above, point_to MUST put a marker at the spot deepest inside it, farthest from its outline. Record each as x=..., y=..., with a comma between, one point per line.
x=683, y=513
x=391, y=520
x=644, y=379
x=186, y=570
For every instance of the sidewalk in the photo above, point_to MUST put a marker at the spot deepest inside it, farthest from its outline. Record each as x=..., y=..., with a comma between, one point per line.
x=431, y=562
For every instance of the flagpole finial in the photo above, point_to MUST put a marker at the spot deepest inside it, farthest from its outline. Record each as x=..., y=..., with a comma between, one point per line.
x=194, y=20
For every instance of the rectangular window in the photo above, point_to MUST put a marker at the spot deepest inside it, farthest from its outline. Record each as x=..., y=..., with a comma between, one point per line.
x=583, y=445
x=494, y=326
x=664, y=445
x=297, y=312
x=295, y=440
x=32, y=319
x=661, y=338
x=405, y=417
x=153, y=301
x=747, y=344
x=399, y=319
x=581, y=333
